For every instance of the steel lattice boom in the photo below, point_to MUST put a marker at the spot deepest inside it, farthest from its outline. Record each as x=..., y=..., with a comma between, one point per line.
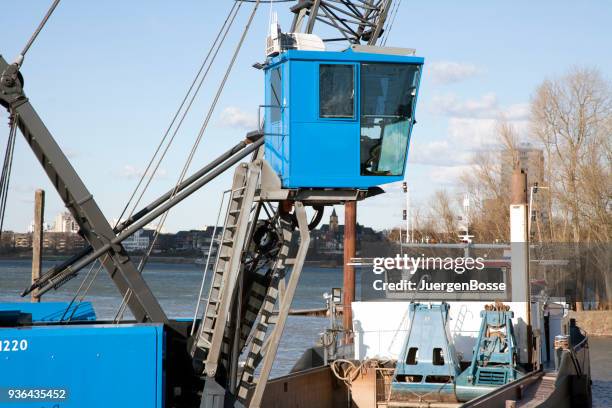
x=358, y=22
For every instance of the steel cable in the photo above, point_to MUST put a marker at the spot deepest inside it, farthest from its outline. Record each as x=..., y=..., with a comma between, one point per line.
x=174, y=134
x=225, y=27
x=34, y=35
x=7, y=166
x=216, y=46
x=194, y=147
x=391, y=22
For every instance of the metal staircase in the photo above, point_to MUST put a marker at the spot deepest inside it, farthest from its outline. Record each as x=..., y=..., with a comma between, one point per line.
x=257, y=345
x=207, y=346
x=245, y=288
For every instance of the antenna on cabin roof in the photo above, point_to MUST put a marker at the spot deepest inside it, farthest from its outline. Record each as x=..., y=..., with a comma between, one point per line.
x=277, y=41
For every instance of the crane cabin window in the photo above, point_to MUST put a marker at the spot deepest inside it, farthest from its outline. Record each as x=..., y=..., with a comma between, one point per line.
x=275, y=95
x=388, y=95
x=336, y=91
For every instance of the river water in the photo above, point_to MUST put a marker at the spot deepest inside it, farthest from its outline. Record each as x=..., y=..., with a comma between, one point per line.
x=177, y=285
x=600, y=349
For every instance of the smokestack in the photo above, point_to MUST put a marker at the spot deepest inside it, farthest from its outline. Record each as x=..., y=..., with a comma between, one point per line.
x=518, y=186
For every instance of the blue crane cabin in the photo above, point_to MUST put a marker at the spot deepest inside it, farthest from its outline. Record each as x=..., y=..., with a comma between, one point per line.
x=340, y=119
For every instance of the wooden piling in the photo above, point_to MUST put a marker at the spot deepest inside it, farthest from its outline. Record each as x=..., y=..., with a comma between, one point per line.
x=350, y=230
x=37, y=239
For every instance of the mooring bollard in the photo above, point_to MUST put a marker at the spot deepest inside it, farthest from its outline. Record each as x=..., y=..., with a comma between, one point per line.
x=37, y=239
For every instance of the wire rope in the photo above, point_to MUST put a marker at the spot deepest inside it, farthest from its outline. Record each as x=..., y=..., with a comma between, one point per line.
x=198, y=79
x=34, y=35
x=195, y=145
x=174, y=134
x=7, y=166
x=390, y=26
x=214, y=45
x=159, y=227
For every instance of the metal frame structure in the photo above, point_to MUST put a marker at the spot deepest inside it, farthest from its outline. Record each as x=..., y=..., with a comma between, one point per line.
x=358, y=21
x=240, y=313
x=105, y=242
x=80, y=202
x=227, y=329
x=256, y=185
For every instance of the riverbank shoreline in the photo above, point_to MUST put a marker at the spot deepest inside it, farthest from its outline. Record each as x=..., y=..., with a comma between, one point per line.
x=594, y=322
x=59, y=258
x=158, y=259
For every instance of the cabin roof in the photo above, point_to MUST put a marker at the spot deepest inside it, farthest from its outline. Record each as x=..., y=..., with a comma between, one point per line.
x=347, y=55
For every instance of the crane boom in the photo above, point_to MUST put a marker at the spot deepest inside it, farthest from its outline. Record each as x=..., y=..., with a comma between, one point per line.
x=93, y=225
x=358, y=22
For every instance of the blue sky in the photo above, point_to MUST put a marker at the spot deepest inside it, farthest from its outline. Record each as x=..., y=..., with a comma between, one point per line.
x=106, y=77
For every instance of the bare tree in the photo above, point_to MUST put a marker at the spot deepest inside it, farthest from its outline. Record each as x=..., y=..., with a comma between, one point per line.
x=571, y=119
x=445, y=214
x=487, y=185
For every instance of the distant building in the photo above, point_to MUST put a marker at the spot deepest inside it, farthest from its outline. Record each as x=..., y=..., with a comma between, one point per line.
x=329, y=238
x=139, y=241
x=530, y=160
x=64, y=222
x=7, y=239
x=23, y=241
x=194, y=240
x=333, y=221
x=62, y=241
x=46, y=227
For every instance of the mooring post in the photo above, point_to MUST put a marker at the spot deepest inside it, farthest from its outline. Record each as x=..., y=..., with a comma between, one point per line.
x=350, y=230
x=37, y=239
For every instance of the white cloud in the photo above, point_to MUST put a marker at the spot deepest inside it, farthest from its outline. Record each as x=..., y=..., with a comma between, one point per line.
x=72, y=154
x=235, y=117
x=395, y=187
x=485, y=107
x=23, y=188
x=472, y=133
x=437, y=153
x=446, y=72
x=451, y=105
x=448, y=175
x=472, y=128
x=516, y=112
